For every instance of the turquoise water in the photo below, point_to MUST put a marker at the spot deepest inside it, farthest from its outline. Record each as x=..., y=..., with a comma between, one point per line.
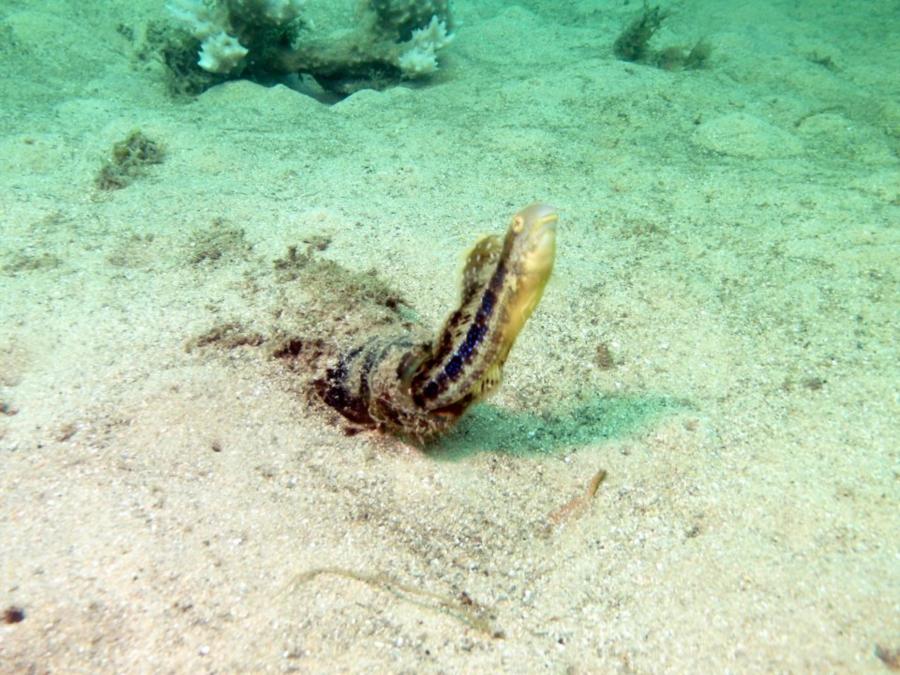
x=691, y=463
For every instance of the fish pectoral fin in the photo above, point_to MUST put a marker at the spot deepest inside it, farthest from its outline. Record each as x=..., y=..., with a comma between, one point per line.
x=489, y=382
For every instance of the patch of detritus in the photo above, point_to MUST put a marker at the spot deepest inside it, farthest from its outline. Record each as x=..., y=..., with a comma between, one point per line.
x=320, y=310
x=129, y=160
x=336, y=293
x=461, y=608
x=26, y=261
x=220, y=241
x=134, y=251
x=229, y=335
x=603, y=357
x=633, y=44
x=34, y=256
x=809, y=382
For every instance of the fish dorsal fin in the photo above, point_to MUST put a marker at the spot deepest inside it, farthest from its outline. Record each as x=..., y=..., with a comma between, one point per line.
x=480, y=265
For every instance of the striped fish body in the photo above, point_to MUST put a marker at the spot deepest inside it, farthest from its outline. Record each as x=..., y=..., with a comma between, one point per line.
x=503, y=282
x=410, y=386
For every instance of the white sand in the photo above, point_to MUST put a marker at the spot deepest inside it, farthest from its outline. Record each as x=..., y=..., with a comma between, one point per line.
x=730, y=235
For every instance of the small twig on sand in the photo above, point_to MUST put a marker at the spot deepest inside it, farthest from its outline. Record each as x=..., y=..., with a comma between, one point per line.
x=465, y=610
x=575, y=507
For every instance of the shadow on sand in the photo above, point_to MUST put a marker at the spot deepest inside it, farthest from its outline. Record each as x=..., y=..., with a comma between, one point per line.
x=491, y=429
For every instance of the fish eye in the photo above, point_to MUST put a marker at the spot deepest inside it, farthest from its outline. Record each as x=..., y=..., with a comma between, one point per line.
x=518, y=224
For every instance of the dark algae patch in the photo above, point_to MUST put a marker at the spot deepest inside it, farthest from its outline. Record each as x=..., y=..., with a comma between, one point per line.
x=128, y=161
x=633, y=44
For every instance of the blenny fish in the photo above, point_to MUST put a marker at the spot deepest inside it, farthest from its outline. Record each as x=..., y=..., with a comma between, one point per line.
x=413, y=386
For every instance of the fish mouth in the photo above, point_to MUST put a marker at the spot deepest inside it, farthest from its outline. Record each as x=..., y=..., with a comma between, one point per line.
x=545, y=214
x=545, y=229
x=549, y=221
x=549, y=218
x=542, y=244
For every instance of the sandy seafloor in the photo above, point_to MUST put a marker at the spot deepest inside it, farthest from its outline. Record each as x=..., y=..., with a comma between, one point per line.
x=720, y=335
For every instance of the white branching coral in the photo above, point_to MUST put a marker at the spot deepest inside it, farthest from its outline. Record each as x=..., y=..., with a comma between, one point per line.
x=202, y=20
x=420, y=56
x=221, y=50
x=267, y=40
x=221, y=53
